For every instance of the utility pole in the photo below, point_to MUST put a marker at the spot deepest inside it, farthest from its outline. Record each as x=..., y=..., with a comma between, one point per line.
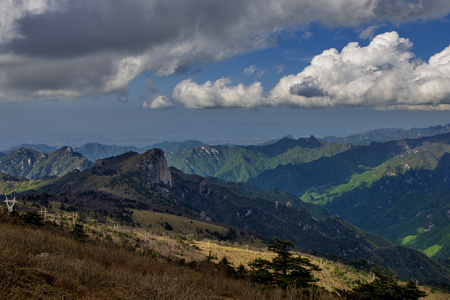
x=44, y=212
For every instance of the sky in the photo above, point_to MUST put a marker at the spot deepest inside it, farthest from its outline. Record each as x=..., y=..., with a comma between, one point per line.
x=138, y=72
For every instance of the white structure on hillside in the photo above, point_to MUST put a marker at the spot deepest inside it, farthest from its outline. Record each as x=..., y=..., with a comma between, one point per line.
x=10, y=204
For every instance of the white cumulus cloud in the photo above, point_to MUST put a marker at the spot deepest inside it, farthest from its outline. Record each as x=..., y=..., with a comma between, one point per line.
x=219, y=94
x=383, y=74
x=160, y=101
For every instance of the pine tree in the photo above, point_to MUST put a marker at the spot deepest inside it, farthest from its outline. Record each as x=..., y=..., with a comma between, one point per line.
x=79, y=233
x=285, y=269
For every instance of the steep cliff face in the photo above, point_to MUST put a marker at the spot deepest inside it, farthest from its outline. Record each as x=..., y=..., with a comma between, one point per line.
x=150, y=167
x=155, y=166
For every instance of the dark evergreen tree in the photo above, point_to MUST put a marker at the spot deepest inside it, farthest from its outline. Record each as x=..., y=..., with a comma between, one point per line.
x=384, y=287
x=226, y=267
x=241, y=271
x=79, y=233
x=285, y=269
x=33, y=218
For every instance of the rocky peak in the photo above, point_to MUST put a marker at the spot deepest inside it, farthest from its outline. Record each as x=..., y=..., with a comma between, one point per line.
x=155, y=166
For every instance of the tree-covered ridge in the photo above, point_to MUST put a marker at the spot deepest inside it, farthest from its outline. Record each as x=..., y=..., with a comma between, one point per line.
x=242, y=163
x=12, y=185
x=406, y=199
x=364, y=184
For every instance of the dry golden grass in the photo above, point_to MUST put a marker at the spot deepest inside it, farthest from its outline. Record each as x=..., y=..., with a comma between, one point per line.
x=181, y=225
x=332, y=275
x=45, y=263
x=237, y=254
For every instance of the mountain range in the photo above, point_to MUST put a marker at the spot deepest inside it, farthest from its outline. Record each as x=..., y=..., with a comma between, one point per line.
x=94, y=151
x=120, y=186
x=356, y=182
x=397, y=190
x=388, y=134
x=241, y=163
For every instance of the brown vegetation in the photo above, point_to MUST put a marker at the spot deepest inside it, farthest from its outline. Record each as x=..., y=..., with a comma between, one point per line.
x=47, y=263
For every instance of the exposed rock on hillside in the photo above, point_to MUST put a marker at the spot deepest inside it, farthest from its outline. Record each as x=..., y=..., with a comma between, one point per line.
x=150, y=167
x=155, y=166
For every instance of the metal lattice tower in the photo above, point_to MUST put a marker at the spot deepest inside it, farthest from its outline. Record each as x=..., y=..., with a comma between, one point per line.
x=10, y=204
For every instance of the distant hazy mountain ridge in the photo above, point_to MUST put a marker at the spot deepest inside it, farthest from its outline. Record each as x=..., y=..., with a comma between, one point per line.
x=169, y=147
x=95, y=151
x=32, y=164
x=39, y=148
x=388, y=134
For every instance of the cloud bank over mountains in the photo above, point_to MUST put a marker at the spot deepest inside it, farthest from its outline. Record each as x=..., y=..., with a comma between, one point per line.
x=61, y=49
x=383, y=74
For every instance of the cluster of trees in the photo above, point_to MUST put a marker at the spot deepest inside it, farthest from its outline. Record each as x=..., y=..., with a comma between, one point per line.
x=287, y=270
x=384, y=287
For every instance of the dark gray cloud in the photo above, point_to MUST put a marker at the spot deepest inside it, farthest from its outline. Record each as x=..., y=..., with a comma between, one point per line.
x=85, y=27
x=404, y=10
x=79, y=30
x=70, y=49
x=308, y=88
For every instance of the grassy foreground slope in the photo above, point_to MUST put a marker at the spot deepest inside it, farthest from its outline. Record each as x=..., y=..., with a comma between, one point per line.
x=48, y=262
